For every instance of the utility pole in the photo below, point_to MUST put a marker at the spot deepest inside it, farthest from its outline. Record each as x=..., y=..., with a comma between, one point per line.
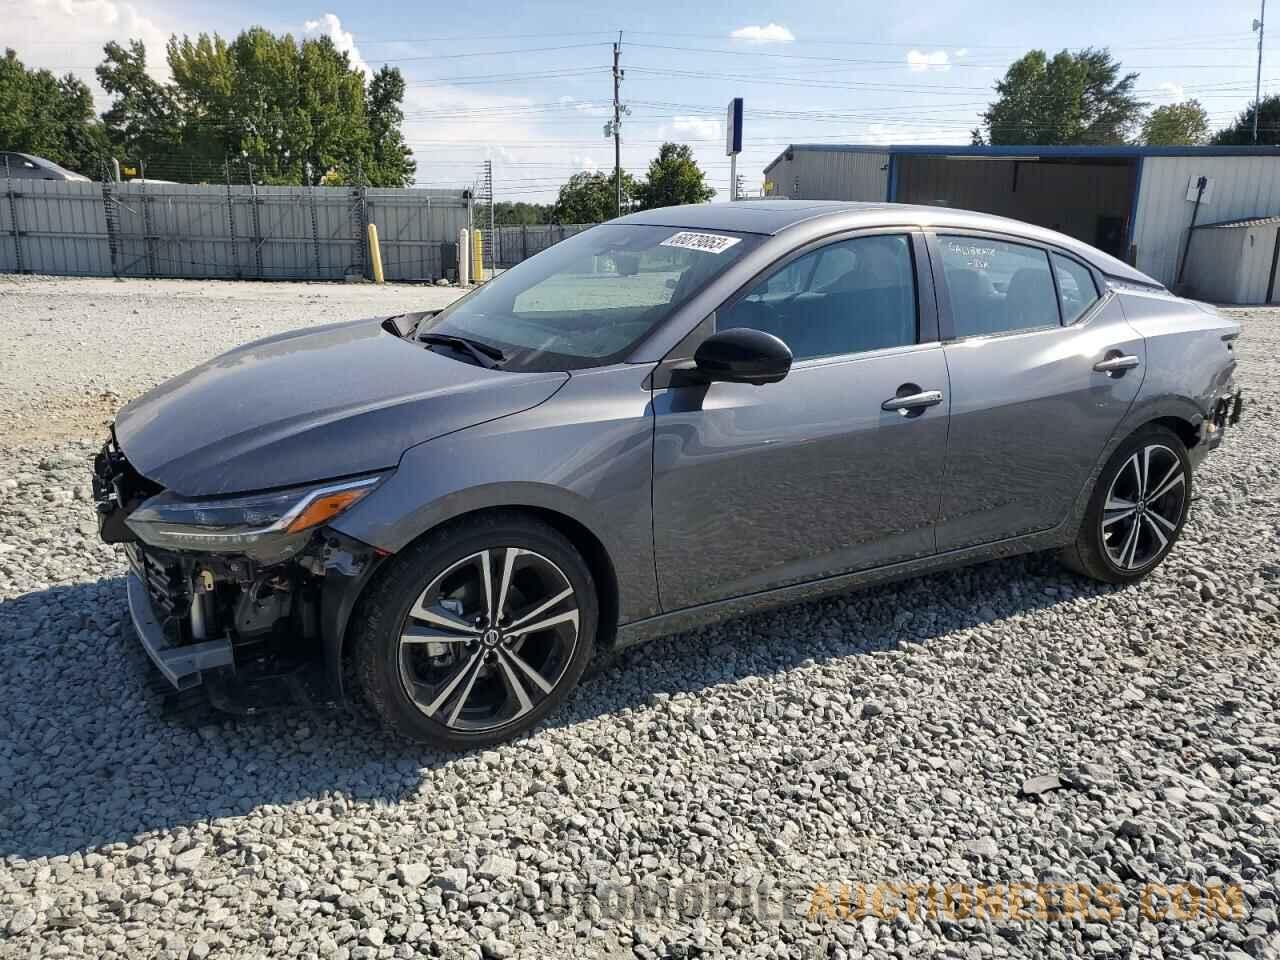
x=1258, y=25
x=617, y=128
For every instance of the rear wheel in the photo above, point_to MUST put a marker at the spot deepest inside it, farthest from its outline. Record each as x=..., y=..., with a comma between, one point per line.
x=477, y=633
x=1137, y=510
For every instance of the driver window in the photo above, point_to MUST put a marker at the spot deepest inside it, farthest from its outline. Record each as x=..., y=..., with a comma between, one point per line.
x=789, y=280
x=848, y=297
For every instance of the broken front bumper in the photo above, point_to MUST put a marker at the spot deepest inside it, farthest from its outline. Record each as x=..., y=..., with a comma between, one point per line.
x=232, y=621
x=182, y=665
x=204, y=618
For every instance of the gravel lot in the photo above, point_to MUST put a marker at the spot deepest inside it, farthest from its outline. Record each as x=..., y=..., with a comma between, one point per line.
x=884, y=736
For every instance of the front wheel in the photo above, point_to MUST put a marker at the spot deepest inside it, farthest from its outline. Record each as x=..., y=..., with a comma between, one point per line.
x=476, y=633
x=1137, y=510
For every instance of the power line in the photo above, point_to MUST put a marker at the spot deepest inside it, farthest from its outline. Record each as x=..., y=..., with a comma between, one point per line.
x=951, y=63
x=484, y=53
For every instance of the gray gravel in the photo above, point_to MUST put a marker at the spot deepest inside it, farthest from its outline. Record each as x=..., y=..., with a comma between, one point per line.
x=77, y=346
x=1008, y=723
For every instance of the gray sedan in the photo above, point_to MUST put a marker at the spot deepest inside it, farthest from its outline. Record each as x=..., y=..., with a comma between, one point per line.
x=672, y=418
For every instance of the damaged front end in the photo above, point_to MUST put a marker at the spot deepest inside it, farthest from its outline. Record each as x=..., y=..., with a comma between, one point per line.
x=247, y=595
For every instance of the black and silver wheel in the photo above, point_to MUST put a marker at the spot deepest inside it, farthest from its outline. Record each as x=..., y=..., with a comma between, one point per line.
x=476, y=633
x=1137, y=510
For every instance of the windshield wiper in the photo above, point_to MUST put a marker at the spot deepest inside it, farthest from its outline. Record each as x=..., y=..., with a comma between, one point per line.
x=484, y=354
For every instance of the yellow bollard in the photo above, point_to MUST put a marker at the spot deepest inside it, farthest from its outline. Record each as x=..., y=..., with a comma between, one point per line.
x=477, y=256
x=375, y=253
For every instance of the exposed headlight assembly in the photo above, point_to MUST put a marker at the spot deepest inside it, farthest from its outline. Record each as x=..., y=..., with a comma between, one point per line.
x=277, y=523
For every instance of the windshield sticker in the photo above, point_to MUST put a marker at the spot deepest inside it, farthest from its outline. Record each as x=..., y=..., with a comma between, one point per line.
x=706, y=242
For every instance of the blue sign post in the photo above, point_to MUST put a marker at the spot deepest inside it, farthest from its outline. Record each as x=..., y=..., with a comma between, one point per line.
x=733, y=143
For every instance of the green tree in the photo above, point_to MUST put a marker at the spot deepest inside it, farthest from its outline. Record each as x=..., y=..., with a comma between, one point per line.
x=391, y=162
x=1177, y=123
x=506, y=213
x=292, y=108
x=142, y=121
x=290, y=112
x=1076, y=97
x=1240, y=133
x=50, y=116
x=673, y=178
x=591, y=198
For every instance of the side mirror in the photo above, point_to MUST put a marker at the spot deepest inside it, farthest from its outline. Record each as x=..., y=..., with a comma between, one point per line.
x=742, y=355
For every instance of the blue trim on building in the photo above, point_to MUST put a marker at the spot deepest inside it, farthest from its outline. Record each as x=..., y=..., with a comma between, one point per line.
x=1120, y=151
x=892, y=190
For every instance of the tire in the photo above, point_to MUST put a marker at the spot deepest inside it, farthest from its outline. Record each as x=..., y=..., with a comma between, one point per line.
x=439, y=669
x=1145, y=485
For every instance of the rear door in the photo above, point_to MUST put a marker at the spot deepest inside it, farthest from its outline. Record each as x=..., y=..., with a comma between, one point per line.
x=758, y=487
x=1024, y=328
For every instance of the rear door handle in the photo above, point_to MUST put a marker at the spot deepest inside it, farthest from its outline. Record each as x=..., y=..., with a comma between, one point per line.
x=1116, y=362
x=913, y=401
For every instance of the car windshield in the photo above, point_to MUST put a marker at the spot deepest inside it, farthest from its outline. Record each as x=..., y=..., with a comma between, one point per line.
x=590, y=299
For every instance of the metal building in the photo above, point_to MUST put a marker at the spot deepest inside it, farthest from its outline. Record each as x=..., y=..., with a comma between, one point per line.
x=1235, y=261
x=1134, y=202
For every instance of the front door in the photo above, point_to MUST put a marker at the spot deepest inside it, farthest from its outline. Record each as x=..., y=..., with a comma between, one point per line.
x=758, y=487
x=1030, y=414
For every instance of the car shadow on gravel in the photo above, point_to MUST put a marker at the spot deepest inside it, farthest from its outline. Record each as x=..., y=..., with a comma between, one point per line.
x=88, y=757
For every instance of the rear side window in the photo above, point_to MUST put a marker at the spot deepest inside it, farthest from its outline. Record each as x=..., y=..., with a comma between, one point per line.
x=997, y=287
x=1076, y=288
x=847, y=297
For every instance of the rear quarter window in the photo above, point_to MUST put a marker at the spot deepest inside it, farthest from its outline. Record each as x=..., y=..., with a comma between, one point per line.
x=1076, y=289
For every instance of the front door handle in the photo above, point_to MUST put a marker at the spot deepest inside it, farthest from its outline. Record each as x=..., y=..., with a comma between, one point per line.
x=1116, y=362
x=908, y=402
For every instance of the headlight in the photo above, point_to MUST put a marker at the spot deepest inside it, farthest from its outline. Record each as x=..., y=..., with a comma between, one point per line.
x=278, y=521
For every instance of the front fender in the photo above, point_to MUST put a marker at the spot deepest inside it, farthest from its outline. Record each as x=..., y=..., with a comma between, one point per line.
x=586, y=454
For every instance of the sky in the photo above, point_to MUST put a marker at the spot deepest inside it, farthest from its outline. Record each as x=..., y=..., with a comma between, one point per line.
x=528, y=86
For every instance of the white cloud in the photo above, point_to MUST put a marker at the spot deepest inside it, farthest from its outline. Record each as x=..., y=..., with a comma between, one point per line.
x=55, y=33
x=699, y=128
x=587, y=164
x=962, y=52
x=770, y=33
x=586, y=107
x=330, y=26
x=1173, y=90
x=919, y=61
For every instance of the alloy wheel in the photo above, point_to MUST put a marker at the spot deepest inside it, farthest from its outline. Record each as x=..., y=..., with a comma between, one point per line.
x=1144, y=506
x=489, y=639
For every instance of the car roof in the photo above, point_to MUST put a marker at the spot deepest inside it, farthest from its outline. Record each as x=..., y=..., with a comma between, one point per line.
x=772, y=217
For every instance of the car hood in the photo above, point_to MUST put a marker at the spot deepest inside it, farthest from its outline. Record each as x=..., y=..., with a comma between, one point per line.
x=317, y=403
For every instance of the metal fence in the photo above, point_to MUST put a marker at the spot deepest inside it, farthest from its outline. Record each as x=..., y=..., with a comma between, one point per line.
x=137, y=229
x=513, y=244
